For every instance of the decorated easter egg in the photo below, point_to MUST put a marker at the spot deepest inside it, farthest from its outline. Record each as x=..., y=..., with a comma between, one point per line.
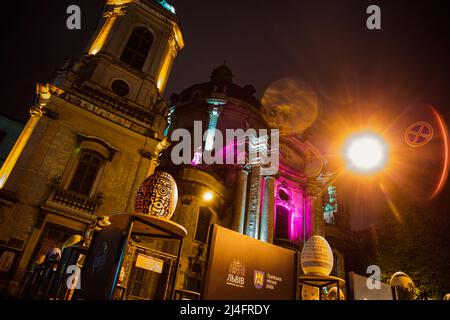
x=157, y=196
x=317, y=257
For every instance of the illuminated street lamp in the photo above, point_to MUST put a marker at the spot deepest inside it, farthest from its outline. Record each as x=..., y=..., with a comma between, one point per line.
x=207, y=196
x=365, y=152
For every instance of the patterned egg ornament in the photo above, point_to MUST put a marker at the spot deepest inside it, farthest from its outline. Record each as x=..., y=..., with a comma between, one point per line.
x=317, y=257
x=157, y=196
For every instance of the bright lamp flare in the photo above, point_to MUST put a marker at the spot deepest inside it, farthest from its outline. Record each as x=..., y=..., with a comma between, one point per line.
x=208, y=196
x=365, y=152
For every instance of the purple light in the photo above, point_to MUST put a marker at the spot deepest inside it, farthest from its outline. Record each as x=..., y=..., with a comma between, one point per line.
x=197, y=158
x=297, y=206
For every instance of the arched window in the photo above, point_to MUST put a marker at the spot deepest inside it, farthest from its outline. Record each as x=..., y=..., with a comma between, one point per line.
x=137, y=48
x=86, y=172
x=282, y=223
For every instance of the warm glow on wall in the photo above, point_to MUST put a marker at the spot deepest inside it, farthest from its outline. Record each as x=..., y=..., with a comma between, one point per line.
x=164, y=72
x=118, y=2
x=106, y=29
x=178, y=36
x=170, y=56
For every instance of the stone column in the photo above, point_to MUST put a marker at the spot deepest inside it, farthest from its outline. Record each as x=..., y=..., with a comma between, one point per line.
x=253, y=203
x=315, y=196
x=240, y=201
x=267, y=215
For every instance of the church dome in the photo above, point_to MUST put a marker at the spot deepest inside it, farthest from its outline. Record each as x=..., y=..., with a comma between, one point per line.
x=221, y=82
x=222, y=75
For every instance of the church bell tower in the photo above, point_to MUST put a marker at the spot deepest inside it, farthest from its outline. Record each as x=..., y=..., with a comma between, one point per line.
x=130, y=56
x=94, y=134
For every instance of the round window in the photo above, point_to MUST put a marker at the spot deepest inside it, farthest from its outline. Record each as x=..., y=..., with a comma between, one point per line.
x=120, y=88
x=283, y=195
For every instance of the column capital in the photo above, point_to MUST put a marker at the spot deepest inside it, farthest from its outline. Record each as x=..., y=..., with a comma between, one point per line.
x=44, y=93
x=119, y=10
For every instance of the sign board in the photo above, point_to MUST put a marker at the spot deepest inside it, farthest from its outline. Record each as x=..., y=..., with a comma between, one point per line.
x=361, y=291
x=149, y=263
x=100, y=266
x=243, y=268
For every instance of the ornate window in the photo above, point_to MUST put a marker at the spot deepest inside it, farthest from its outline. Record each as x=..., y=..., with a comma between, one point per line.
x=283, y=211
x=282, y=223
x=137, y=48
x=86, y=173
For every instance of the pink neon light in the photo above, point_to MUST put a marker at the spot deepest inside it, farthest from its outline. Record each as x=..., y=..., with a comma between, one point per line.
x=298, y=209
x=197, y=159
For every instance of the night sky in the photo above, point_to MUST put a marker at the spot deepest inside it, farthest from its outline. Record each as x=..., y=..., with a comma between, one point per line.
x=325, y=43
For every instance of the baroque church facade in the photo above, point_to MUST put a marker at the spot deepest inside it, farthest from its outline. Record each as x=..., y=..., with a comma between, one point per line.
x=102, y=126
x=284, y=207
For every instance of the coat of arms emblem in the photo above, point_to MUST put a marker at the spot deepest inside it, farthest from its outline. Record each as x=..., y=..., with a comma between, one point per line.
x=258, y=279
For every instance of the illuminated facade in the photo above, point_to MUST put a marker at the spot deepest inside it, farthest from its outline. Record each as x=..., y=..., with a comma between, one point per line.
x=95, y=133
x=284, y=208
x=100, y=128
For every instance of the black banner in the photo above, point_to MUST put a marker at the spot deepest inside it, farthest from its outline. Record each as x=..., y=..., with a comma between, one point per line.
x=100, y=267
x=240, y=267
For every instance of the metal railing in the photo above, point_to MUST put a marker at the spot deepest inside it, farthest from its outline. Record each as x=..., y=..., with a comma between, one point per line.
x=75, y=200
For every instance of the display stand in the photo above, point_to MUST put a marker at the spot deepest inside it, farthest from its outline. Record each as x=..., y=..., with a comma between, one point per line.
x=320, y=282
x=102, y=268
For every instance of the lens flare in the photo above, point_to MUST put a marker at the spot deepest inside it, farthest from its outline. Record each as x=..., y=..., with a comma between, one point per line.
x=365, y=152
x=445, y=166
x=391, y=203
